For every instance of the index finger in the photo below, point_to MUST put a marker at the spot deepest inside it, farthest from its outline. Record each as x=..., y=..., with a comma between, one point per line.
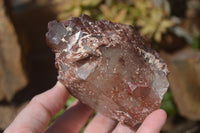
x=37, y=114
x=154, y=122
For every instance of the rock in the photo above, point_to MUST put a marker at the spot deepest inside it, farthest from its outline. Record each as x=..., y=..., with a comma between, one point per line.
x=12, y=77
x=109, y=67
x=184, y=81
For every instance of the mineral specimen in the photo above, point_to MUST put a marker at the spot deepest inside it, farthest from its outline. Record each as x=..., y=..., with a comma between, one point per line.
x=109, y=67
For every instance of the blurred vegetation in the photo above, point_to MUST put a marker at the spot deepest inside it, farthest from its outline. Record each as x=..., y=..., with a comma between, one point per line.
x=196, y=42
x=150, y=20
x=168, y=104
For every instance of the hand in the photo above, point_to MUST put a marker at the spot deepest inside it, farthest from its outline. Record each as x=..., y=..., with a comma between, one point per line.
x=35, y=117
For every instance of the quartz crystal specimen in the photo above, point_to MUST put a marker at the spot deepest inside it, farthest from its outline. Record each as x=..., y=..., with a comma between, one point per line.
x=109, y=67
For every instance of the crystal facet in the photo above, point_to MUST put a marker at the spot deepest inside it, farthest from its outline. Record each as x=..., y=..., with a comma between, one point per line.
x=109, y=67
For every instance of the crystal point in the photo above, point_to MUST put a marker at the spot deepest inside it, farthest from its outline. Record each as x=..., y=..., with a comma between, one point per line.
x=108, y=66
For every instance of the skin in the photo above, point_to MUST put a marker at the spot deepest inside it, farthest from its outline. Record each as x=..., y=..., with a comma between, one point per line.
x=35, y=117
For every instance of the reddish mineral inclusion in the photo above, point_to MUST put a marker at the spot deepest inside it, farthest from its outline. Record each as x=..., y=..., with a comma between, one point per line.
x=109, y=67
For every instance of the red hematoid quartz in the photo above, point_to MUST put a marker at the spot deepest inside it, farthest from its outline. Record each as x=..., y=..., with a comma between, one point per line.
x=108, y=66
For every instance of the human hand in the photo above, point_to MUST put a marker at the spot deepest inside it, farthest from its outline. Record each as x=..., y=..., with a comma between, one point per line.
x=35, y=117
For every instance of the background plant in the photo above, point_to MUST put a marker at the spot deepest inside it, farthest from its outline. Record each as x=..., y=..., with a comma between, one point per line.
x=150, y=20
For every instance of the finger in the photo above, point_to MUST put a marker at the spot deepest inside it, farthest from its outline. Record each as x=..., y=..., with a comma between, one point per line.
x=122, y=129
x=154, y=122
x=36, y=115
x=73, y=120
x=100, y=124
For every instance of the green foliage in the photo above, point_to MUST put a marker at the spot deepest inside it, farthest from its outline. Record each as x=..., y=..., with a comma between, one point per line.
x=168, y=104
x=196, y=42
x=115, y=13
x=152, y=21
x=74, y=8
x=70, y=100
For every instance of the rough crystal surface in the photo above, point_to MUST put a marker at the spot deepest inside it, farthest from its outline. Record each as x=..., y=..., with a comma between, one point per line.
x=109, y=67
